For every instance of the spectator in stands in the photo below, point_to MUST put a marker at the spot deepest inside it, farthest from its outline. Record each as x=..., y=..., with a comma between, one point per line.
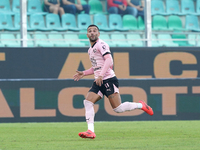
x=137, y=7
x=119, y=7
x=53, y=6
x=71, y=7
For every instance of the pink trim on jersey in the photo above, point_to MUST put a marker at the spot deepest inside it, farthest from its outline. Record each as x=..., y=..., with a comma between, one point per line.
x=98, y=58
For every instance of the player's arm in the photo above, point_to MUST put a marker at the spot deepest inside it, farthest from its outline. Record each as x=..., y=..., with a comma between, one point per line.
x=107, y=64
x=81, y=74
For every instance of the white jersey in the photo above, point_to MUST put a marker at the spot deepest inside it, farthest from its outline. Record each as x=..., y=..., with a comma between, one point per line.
x=96, y=53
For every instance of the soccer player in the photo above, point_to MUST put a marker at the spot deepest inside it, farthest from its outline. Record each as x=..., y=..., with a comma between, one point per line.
x=105, y=83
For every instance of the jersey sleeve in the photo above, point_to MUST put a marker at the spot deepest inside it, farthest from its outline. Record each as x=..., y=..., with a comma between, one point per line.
x=104, y=48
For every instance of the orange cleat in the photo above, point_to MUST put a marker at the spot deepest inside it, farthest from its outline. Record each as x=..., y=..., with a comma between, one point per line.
x=146, y=108
x=87, y=134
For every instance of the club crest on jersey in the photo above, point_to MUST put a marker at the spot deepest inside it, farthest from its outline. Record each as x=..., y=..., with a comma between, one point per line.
x=94, y=50
x=104, y=47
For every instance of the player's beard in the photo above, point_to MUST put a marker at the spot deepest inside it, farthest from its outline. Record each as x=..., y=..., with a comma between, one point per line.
x=93, y=40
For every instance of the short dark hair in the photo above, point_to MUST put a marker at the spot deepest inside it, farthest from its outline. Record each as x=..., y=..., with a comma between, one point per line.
x=92, y=25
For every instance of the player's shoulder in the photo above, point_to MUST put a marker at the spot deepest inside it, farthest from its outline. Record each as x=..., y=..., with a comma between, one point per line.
x=101, y=42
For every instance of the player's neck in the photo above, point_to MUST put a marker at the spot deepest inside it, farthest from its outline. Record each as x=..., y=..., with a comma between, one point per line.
x=92, y=43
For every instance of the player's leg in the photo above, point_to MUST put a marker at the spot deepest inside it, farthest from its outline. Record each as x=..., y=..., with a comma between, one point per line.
x=91, y=98
x=112, y=92
x=119, y=107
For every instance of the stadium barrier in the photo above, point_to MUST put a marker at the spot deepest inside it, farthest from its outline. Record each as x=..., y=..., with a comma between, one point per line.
x=36, y=84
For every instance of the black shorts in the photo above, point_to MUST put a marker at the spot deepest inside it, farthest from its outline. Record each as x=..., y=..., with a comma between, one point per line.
x=108, y=87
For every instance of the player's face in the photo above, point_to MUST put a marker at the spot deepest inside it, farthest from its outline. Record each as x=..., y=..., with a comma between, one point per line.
x=93, y=34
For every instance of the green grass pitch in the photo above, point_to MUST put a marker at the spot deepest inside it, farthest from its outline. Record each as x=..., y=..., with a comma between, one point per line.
x=135, y=135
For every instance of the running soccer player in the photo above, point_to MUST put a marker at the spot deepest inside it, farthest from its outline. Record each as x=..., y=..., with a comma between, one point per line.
x=106, y=83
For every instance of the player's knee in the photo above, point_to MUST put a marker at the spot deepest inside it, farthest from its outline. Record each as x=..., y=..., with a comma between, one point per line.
x=118, y=109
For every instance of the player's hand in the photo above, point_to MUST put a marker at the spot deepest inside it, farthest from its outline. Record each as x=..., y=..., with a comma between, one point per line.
x=99, y=81
x=78, y=75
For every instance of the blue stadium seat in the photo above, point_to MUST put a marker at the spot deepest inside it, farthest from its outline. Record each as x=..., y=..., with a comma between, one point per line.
x=73, y=40
x=84, y=21
x=17, y=22
x=166, y=40
x=120, y=40
x=115, y=22
x=155, y=42
x=69, y=22
x=5, y=7
x=6, y=23
x=192, y=23
x=105, y=37
x=37, y=22
x=35, y=6
x=135, y=40
x=9, y=40
x=187, y=7
x=198, y=6
x=30, y=42
x=16, y=6
x=57, y=39
x=53, y=22
x=41, y=40
x=157, y=8
x=173, y=7
x=101, y=21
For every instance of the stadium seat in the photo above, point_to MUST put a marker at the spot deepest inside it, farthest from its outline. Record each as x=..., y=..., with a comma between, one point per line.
x=166, y=40
x=17, y=22
x=135, y=40
x=37, y=22
x=101, y=21
x=95, y=7
x=6, y=22
x=57, y=39
x=175, y=23
x=9, y=40
x=5, y=7
x=84, y=21
x=141, y=25
x=105, y=37
x=53, y=22
x=157, y=8
x=159, y=22
x=182, y=37
x=73, y=40
x=83, y=36
x=198, y=6
x=187, y=7
x=16, y=6
x=30, y=42
x=192, y=39
x=34, y=6
x=129, y=22
x=154, y=41
x=41, y=40
x=173, y=7
x=192, y=23
x=69, y=22
x=115, y=22
x=120, y=40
